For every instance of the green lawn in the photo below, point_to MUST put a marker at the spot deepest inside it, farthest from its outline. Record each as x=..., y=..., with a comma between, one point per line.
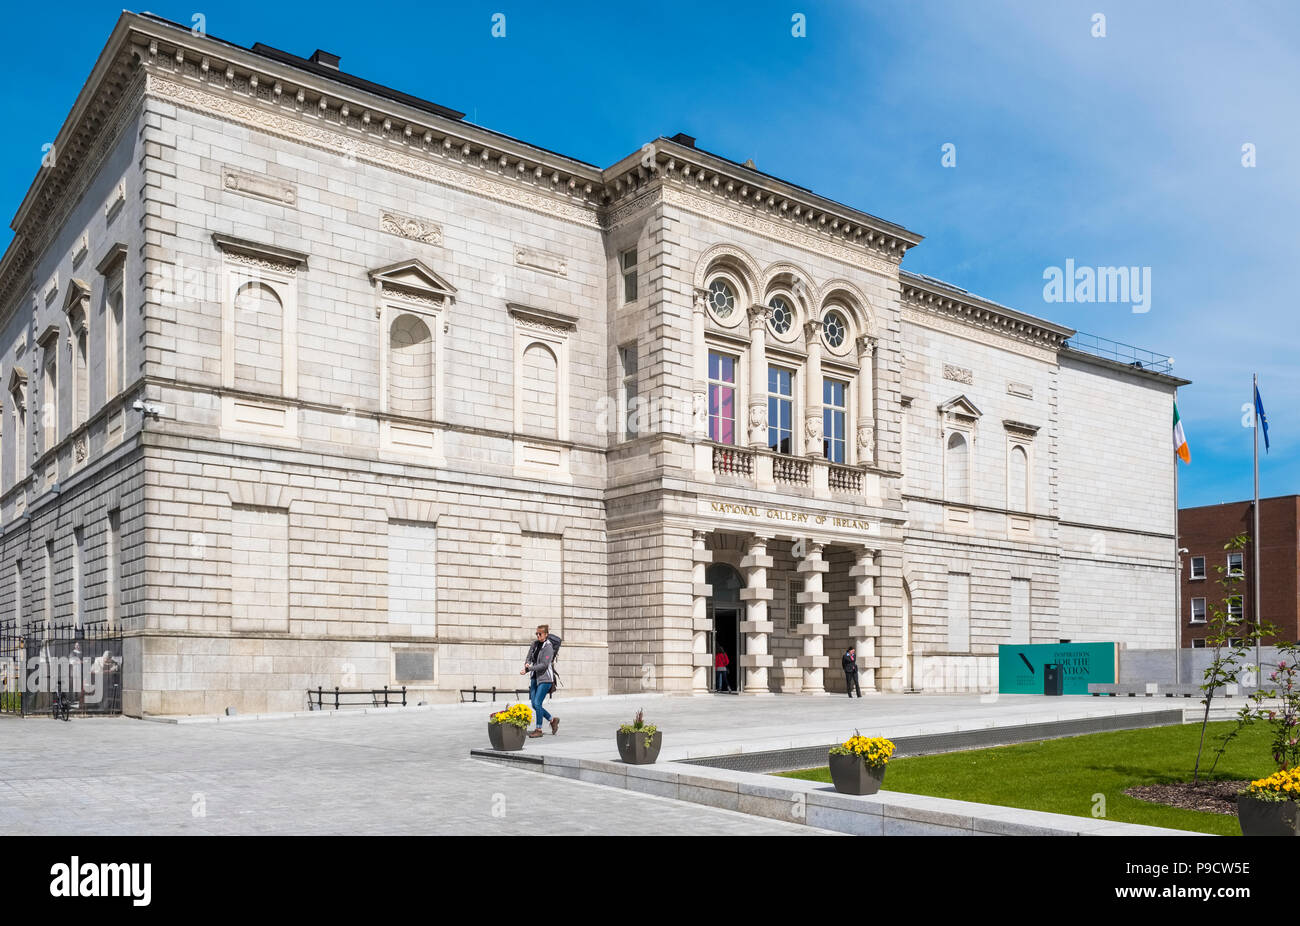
x=1062, y=775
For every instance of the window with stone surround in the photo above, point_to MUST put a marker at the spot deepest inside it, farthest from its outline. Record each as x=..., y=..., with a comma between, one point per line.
x=114, y=372
x=49, y=344
x=794, y=610
x=411, y=367
x=259, y=323
x=835, y=407
x=540, y=389
x=780, y=409
x=113, y=572
x=722, y=397
x=1198, y=610
x=18, y=399
x=627, y=264
x=629, y=404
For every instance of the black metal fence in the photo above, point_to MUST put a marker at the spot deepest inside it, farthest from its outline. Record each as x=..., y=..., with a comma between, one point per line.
x=42, y=663
x=321, y=698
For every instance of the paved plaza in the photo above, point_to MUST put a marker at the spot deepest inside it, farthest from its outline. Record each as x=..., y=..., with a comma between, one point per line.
x=409, y=771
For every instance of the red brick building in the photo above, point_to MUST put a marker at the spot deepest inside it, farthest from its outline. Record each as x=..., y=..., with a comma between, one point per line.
x=1203, y=532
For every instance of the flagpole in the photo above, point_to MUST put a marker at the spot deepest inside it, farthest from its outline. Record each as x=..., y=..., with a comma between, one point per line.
x=1178, y=577
x=1257, y=610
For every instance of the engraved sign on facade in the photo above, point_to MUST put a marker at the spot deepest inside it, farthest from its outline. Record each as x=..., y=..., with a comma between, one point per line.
x=408, y=226
x=958, y=374
x=1024, y=390
x=783, y=517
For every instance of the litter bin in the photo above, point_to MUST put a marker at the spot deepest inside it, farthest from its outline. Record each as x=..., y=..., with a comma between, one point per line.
x=1053, y=679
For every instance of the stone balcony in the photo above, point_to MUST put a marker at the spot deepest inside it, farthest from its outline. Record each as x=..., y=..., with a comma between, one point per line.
x=801, y=476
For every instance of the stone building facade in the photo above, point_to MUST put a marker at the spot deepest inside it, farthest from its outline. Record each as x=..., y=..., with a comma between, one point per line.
x=311, y=382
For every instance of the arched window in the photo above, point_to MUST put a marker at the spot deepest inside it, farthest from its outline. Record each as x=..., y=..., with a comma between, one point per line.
x=259, y=339
x=540, y=391
x=410, y=367
x=1018, y=480
x=956, y=472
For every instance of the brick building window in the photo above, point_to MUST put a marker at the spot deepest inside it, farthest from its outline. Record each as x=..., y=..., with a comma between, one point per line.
x=1235, y=609
x=1235, y=564
x=1198, y=610
x=1198, y=568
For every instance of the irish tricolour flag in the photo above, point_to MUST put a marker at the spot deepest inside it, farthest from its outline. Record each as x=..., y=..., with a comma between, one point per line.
x=1180, y=439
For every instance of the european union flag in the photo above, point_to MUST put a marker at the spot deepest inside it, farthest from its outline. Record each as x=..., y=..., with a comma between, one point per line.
x=1261, y=418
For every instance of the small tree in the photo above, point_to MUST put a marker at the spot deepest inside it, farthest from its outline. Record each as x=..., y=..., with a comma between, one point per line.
x=1228, y=658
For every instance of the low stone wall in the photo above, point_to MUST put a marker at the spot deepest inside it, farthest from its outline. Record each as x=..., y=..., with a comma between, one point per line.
x=1137, y=666
x=793, y=800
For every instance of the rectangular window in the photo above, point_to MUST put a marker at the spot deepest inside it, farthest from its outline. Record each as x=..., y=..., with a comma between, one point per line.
x=115, y=366
x=20, y=434
x=49, y=581
x=780, y=410
x=18, y=593
x=628, y=419
x=113, y=598
x=1198, y=610
x=722, y=398
x=834, y=412
x=79, y=576
x=50, y=395
x=795, y=609
x=1234, y=609
x=1235, y=564
x=627, y=264
x=1198, y=644
x=413, y=574
x=1198, y=567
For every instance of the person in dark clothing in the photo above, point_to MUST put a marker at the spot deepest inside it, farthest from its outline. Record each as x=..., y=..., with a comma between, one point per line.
x=539, y=665
x=850, y=663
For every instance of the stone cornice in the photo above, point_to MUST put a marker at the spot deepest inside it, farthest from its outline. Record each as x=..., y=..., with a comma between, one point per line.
x=926, y=296
x=756, y=196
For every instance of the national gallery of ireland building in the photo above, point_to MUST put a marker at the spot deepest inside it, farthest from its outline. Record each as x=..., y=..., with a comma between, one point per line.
x=310, y=382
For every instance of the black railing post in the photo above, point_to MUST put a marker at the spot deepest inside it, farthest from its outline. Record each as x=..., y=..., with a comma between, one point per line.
x=403, y=696
x=336, y=697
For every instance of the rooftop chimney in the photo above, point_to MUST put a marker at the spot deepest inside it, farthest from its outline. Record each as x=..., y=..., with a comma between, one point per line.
x=325, y=58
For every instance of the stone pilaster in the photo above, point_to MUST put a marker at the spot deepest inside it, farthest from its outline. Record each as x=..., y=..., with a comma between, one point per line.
x=866, y=424
x=700, y=366
x=813, y=629
x=812, y=414
x=757, y=420
x=756, y=626
x=865, y=630
x=701, y=658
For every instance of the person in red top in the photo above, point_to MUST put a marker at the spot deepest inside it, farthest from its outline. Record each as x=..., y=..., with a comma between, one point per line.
x=720, y=662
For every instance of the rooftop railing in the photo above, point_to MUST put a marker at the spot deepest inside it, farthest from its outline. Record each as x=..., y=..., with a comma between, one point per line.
x=1126, y=354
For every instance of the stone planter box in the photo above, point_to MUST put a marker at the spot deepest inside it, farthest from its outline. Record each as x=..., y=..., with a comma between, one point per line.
x=633, y=750
x=506, y=736
x=1268, y=818
x=851, y=775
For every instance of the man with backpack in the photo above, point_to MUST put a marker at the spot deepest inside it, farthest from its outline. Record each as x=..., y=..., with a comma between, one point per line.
x=541, y=665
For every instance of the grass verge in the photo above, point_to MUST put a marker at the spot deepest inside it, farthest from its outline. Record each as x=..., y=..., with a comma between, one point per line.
x=1070, y=775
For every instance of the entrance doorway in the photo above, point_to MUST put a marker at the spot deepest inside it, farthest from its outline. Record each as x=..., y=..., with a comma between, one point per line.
x=725, y=610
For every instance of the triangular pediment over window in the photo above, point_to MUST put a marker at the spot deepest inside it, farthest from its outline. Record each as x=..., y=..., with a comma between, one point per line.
x=960, y=407
x=78, y=294
x=414, y=278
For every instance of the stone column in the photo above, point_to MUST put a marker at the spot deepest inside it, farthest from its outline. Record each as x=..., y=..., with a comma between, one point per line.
x=701, y=658
x=813, y=628
x=812, y=406
x=866, y=400
x=865, y=630
x=757, y=431
x=756, y=625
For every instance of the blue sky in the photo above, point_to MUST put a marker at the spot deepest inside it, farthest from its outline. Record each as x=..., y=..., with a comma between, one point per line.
x=1122, y=150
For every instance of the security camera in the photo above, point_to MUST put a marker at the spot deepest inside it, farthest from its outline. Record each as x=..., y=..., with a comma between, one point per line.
x=138, y=406
x=151, y=410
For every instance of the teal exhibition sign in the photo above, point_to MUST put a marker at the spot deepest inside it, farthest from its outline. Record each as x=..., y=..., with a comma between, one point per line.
x=1020, y=668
